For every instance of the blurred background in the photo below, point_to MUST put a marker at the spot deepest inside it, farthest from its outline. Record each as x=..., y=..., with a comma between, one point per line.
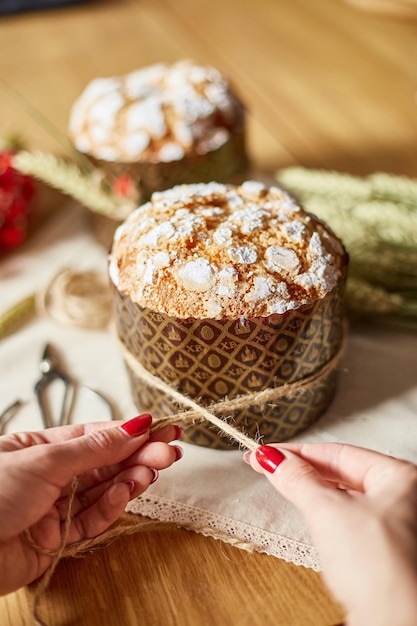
x=328, y=83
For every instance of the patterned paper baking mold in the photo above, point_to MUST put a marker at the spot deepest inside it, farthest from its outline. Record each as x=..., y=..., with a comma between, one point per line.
x=213, y=359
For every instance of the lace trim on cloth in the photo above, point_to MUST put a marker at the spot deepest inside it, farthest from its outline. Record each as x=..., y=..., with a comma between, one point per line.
x=239, y=534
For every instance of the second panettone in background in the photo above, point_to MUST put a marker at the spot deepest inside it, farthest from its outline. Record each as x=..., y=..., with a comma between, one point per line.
x=163, y=125
x=225, y=290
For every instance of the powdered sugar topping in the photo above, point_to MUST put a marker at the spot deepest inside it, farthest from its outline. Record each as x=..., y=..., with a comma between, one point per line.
x=243, y=255
x=211, y=250
x=172, y=110
x=196, y=275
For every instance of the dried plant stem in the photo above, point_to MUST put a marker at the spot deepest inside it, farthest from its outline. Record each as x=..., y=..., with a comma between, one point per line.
x=17, y=316
x=376, y=218
x=70, y=179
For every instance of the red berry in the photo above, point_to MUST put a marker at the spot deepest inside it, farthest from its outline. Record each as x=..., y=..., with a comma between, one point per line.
x=16, y=193
x=124, y=186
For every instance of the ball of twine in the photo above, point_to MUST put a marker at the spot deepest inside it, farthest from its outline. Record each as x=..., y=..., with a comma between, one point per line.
x=80, y=299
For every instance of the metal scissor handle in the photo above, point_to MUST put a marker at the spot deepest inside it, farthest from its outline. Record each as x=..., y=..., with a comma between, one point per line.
x=50, y=373
x=9, y=413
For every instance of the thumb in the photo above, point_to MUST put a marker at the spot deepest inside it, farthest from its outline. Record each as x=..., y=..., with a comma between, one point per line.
x=294, y=478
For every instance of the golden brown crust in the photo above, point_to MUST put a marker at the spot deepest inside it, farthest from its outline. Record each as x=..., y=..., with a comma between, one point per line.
x=158, y=114
x=222, y=251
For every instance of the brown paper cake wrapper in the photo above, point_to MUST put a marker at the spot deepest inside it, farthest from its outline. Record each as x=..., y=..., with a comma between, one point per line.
x=227, y=164
x=209, y=360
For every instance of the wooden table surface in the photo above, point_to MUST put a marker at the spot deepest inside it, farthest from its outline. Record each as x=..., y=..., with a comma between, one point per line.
x=326, y=85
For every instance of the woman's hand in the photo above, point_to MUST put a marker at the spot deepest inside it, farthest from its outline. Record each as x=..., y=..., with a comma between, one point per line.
x=113, y=461
x=361, y=509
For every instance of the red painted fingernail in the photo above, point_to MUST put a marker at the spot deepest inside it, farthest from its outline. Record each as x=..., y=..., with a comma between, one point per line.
x=178, y=432
x=132, y=485
x=155, y=475
x=137, y=425
x=179, y=452
x=269, y=458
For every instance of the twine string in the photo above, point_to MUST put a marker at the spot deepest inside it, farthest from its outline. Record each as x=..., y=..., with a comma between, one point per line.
x=196, y=414
x=68, y=299
x=199, y=413
x=57, y=555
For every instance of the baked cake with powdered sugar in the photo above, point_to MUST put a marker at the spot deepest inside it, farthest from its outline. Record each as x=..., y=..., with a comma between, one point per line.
x=226, y=291
x=163, y=124
x=221, y=251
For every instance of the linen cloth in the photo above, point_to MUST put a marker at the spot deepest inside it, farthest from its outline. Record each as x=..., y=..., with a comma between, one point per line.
x=209, y=491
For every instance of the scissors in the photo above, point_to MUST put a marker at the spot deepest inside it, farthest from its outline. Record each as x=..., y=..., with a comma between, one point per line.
x=52, y=371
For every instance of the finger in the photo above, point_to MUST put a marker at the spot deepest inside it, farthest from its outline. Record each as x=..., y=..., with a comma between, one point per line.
x=36, y=475
x=16, y=441
x=355, y=467
x=85, y=499
x=298, y=481
x=108, y=508
x=167, y=434
x=157, y=455
x=100, y=516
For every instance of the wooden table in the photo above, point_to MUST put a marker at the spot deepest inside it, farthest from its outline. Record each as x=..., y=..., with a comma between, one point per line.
x=326, y=85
